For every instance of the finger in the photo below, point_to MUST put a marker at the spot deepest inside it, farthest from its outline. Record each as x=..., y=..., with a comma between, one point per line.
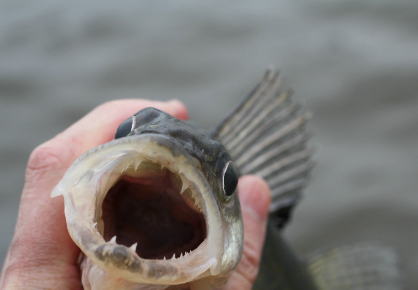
x=41, y=240
x=254, y=195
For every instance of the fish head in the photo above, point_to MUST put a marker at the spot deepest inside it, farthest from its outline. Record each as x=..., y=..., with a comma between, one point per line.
x=157, y=205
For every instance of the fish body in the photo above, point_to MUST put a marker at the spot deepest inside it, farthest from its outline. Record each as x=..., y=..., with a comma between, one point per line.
x=157, y=208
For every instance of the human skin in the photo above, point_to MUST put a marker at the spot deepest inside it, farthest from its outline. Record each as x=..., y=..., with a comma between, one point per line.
x=43, y=256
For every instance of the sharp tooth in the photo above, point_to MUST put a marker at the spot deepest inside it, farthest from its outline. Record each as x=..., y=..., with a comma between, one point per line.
x=95, y=225
x=183, y=188
x=197, y=204
x=137, y=163
x=113, y=240
x=133, y=247
x=107, y=250
x=184, y=184
x=126, y=166
x=174, y=257
x=164, y=258
x=181, y=255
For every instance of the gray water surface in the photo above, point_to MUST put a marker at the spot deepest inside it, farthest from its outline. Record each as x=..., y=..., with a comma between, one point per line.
x=353, y=63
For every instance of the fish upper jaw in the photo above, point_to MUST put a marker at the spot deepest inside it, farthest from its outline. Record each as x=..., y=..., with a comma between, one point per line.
x=88, y=181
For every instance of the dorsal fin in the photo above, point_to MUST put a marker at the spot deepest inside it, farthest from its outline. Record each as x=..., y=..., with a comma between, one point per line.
x=266, y=136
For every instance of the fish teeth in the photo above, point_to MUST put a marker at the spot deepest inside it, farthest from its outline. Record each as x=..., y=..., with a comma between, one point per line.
x=107, y=250
x=126, y=166
x=133, y=247
x=113, y=240
x=184, y=184
x=164, y=258
x=174, y=257
x=197, y=204
x=137, y=163
x=183, y=188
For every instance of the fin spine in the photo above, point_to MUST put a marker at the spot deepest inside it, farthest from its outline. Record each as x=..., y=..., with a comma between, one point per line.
x=287, y=187
x=292, y=173
x=292, y=126
x=224, y=128
x=285, y=162
x=272, y=153
x=259, y=107
x=251, y=133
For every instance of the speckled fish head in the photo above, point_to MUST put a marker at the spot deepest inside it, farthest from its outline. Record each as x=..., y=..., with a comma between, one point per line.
x=157, y=205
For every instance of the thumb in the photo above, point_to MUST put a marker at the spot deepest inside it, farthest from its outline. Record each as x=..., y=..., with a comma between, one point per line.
x=254, y=195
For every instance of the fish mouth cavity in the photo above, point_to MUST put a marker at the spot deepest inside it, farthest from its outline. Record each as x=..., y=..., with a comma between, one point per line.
x=152, y=210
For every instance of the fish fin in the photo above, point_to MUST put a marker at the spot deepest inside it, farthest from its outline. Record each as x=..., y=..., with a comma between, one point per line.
x=266, y=136
x=362, y=266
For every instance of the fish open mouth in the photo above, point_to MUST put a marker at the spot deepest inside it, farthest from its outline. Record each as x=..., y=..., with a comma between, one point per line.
x=149, y=208
x=142, y=208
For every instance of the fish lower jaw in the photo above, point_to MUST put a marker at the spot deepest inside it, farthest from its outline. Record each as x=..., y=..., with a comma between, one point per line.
x=119, y=262
x=192, y=254
x=123, y=262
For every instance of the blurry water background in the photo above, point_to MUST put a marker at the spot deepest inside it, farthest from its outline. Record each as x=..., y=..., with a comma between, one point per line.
x=353, y=63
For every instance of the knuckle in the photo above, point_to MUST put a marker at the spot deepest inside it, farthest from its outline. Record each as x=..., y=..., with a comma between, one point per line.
x=44, y=158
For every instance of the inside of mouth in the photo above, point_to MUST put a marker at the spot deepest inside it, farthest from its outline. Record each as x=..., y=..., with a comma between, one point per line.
x=145, y=206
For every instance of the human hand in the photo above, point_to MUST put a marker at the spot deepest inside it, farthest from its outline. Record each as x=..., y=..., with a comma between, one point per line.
x=43, y=256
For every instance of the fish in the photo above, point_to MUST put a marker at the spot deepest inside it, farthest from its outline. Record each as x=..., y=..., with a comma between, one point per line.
x=158, y=207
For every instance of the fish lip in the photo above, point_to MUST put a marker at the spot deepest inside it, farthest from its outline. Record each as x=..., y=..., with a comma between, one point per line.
x=86, y=235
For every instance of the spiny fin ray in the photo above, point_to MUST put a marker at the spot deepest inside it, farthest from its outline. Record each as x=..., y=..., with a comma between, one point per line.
x=266, y=136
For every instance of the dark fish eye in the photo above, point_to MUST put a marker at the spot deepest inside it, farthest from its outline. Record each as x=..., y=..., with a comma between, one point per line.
x=230, y=178
x=124, y=128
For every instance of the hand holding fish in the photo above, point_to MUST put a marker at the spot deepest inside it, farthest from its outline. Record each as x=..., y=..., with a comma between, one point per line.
x=42, y=254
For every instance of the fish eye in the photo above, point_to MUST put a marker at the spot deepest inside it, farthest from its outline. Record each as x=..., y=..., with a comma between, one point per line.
x=124, y=128
x=230, y=179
